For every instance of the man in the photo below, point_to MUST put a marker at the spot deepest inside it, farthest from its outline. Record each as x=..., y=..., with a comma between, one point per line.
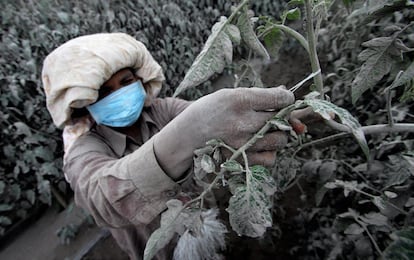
x=127, y=152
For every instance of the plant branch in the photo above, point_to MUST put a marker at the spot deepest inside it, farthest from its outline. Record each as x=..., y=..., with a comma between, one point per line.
x=368, y=130
x=313, y=56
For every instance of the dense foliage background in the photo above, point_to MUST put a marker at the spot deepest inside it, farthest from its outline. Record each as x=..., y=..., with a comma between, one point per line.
x=351, y=217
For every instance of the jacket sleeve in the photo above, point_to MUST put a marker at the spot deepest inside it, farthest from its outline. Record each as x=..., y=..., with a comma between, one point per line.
x=117, y=192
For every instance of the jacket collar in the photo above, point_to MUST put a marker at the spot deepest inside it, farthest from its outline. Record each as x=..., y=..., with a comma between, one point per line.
x=118, y=141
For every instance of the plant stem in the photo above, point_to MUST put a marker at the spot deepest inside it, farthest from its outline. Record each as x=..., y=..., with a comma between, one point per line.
x=389, y=112
x=368, y=130
x=313, y=56
x=239, y=79
x=238, y=8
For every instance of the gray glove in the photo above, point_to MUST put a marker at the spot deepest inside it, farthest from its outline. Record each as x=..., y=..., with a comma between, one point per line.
x=232, y=115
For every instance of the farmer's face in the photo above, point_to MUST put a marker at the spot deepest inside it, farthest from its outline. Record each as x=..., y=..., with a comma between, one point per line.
x=119, y=80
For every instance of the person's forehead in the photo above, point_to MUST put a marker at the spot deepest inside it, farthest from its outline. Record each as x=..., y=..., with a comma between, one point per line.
x=119, y=75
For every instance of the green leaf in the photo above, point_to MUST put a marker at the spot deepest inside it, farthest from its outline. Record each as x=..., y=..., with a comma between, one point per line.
x=403, y=245
x=273, y=40
x=232, y=166
x=249, y=207
x=249, y=36
x=293, y=14
x=216, y=53
x=323, y=108
x=348, y=3
x=162, y=236
x=378, y=59
x=296, y=2
x=207, y=164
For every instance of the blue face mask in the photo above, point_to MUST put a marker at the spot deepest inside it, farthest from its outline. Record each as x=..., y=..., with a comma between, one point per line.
x=120, y=108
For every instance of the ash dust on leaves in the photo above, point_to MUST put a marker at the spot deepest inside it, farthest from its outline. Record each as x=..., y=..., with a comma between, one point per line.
x=250, y=206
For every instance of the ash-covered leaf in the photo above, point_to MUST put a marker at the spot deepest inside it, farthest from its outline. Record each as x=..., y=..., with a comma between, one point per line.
x=203, y=240
x=354, y=229
x=373, y=10
x=403, y=245
x=163, y=235
x=374, y=218
x=398, y=170
x=379, y=202
x=285, y=171
x=390, y=194
x=273, y=40
x=264, y=179
x=378, y=59
x=249, y=36
x=232, y=166
x=236, y=182
x=216, y=53
x=207, y=164
x=249, y=207
x=249, y=73
x=5, y=207
x=406, y=77
x=324, y=108
x=22, y=129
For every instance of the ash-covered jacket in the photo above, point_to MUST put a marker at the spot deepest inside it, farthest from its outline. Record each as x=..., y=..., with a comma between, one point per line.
x=119, y=181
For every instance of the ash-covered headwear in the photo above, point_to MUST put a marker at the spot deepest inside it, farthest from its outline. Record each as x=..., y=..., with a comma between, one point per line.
x=73, y=73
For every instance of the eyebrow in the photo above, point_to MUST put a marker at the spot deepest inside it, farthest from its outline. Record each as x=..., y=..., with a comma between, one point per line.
x=127, y=76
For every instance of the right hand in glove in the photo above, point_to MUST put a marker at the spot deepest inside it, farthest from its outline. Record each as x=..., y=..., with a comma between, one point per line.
x=231, y=115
